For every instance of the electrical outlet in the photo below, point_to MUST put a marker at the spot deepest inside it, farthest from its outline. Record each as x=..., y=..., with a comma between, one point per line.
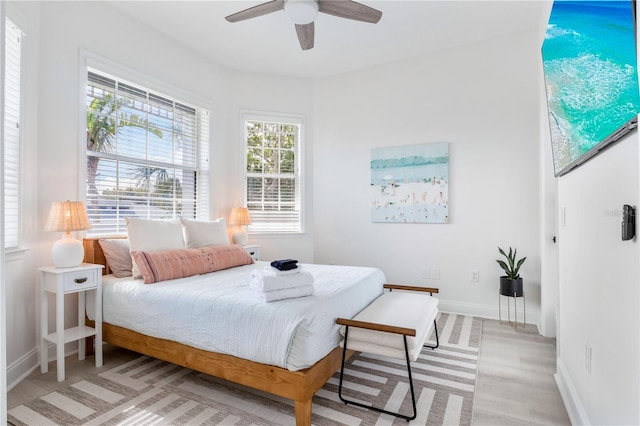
x=435, y=274
x=475, y=276
x=587, y=357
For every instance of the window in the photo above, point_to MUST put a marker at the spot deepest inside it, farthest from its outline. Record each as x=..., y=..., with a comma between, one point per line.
x=147, y=155
x=13, y=38
x=273, y=173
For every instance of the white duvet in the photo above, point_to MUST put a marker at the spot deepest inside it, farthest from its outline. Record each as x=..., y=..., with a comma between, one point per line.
x=218, y=312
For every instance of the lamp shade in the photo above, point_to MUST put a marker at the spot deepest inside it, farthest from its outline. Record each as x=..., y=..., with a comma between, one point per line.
x=67, y=216
x=240, y=216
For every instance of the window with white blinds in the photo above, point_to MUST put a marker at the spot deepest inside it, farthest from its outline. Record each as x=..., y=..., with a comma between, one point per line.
x=13, y=39
x=273, y=174
x=147, y=155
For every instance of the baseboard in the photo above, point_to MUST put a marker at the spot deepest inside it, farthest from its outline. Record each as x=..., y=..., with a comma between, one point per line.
x=20, y=369
x=572, y=404
x=487, y=311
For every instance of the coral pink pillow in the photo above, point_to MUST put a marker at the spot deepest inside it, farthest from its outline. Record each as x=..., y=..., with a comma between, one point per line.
x=171, y=264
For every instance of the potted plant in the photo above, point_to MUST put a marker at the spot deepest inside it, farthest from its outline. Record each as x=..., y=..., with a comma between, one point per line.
x=511, y=284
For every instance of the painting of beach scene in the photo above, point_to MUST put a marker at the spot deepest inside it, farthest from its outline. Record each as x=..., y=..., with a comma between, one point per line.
x=410, y=184
x=590, y=69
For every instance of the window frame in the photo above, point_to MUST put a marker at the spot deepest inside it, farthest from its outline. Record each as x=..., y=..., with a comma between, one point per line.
x=91, y=62
x=18, y=246
x=283, y=118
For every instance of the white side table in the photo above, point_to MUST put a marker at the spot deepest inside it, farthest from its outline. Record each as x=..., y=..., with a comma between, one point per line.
x=61, y=281
x=254, y=252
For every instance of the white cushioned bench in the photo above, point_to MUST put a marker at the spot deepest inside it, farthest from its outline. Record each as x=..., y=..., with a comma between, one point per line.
x=396, y=324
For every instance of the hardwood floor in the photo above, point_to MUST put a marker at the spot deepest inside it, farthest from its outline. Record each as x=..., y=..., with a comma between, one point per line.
x=515, y=380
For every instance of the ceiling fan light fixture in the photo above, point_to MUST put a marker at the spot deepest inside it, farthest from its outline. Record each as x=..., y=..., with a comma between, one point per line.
x=301, y=12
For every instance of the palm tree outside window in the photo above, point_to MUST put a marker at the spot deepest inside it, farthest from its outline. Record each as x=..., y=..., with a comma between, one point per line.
x=146, y=155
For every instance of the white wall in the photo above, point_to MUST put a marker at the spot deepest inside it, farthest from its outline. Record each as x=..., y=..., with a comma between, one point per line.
x=22, y=312
x=599, y=294
x=483, y=100
x=3, y=304
x=548, y=204
x=286, y=95
x=600, y=289
x=61, y=32
x=66, y=29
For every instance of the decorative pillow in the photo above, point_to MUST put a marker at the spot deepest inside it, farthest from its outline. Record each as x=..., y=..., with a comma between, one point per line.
x=203, y=233
x=116, y=251
x=153, y=235
x=172, y=264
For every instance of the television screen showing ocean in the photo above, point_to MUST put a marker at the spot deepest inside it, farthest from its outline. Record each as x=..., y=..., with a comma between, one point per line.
x=590, y=68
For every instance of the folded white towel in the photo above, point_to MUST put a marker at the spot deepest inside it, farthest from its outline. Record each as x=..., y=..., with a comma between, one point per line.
x=287, y=293
x=273, y=272
x=266, y=283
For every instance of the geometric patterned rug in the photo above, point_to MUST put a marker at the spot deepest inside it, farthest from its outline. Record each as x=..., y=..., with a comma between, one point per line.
x=147, y=391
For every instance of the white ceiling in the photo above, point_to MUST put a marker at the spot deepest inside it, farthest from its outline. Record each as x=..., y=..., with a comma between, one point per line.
x=268, y=44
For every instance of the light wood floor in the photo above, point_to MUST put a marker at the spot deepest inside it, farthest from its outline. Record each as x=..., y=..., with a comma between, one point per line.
x=515, y=379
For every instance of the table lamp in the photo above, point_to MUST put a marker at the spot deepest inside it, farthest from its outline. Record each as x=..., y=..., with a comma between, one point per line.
x=240, y=217
x=67, y=216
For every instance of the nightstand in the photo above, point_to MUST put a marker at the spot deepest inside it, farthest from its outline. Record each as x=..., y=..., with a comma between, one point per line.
x=254, y=252
x=61, y=281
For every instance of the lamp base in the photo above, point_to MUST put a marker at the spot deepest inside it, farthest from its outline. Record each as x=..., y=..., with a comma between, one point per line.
x=240, y=236
x=67, y=252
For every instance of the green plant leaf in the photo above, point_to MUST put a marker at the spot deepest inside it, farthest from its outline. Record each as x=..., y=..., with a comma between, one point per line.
x=512, y=267
x=503, y=266
x=520, y=262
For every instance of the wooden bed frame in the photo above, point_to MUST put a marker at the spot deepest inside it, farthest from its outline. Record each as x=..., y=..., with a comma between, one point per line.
x=299, y=386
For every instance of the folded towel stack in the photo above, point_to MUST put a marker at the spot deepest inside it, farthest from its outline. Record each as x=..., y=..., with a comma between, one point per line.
x=273, y=283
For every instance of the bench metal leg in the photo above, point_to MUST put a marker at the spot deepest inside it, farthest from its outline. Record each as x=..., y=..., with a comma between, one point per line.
x=435, y=327
x=369, y=407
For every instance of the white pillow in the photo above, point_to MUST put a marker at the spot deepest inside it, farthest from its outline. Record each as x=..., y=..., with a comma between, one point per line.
x=205, y=233
x=153, y=235
x=118, y=255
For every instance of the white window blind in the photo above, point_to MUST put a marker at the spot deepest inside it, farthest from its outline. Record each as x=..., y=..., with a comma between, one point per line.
x=13, y=38
x=147, y=155
x=273, y=174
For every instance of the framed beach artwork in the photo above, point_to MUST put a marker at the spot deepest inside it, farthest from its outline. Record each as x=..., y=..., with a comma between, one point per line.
x=410, y=184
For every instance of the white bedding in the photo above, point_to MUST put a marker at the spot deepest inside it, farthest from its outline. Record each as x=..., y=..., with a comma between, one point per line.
x=218, y=312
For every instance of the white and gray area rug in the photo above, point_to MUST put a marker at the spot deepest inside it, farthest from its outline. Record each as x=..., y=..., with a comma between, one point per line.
x=146, y=391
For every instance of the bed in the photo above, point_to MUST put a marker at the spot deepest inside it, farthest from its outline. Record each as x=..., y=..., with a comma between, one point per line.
x=297, y=377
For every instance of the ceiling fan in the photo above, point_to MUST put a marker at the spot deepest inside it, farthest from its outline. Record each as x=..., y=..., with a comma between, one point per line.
x=303, y=12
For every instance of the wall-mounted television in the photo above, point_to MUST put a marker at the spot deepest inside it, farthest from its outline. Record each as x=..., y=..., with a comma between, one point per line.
x=591, y=76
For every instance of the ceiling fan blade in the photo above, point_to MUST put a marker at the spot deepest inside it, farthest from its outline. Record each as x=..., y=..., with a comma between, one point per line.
x=255, y=11
x=306, y=35
x=350, y=10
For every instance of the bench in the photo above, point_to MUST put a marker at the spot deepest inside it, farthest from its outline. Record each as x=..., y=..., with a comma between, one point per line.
x=396, y=325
